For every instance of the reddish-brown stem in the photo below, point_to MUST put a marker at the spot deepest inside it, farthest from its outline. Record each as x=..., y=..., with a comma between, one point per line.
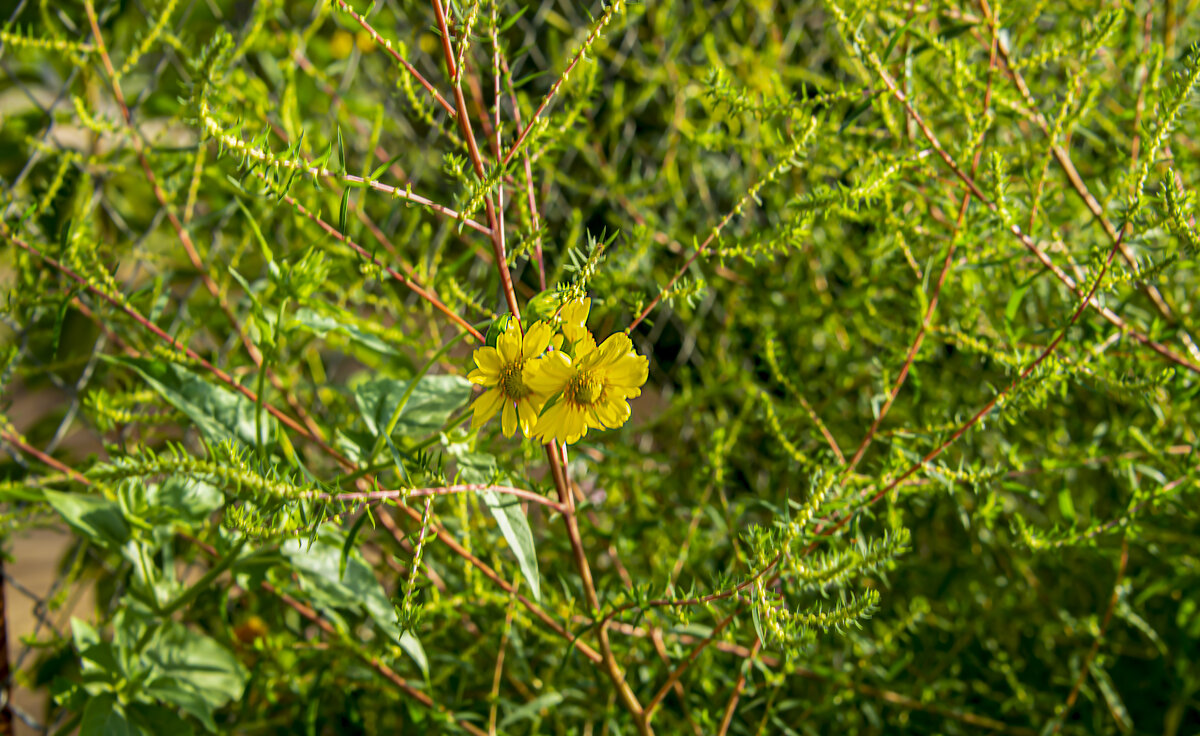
x=464, y=121
x=889, y=696
x=1063, y=156
x=1028, y=241
x=219, y=374
x=446, y=491
x=534, y=223
x=915, y=348
x=446, y=538
x=731, y=706
x=678, y=671
x=387, y=46
x=588, y=41
x=405, y=280
x=1091, y=655
x=302, y=609
x=374, y=662
x=341, y=459
x=11, y=436
x=562, y=485
x=182, y=233
x=987, y=408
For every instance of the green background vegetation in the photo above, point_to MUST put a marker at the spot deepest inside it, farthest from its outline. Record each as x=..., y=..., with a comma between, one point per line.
x=917, y=450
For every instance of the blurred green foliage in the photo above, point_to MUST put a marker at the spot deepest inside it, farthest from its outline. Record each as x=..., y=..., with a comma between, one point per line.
x=918, y=287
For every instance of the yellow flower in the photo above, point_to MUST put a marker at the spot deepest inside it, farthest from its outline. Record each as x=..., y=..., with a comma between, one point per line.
x=506, y=372
x=595, y=387
x=574, y=316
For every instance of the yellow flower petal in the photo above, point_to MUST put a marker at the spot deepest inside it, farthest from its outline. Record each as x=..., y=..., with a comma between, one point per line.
x=613, y=413
x=615, y=346
x=537, y=337
x=486, y=407
x=574, y=316
x=628, y=371
x=585, y=346
x=488, y=360
x=509, y=345
x=527, y=415
x=483, y=379
x=551, y=374
x=575, y=312
x=563, y=422
x=508, y=421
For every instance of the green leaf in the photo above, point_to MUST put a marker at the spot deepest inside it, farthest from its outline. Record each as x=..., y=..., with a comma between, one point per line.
x=530, y=710
x=318, y=567
x=384, y=166
x=515, y=527
x=101, y=718
x=341, y=153
x=896, y=36
x=348, y=545
x=758, y=629
x=854, y=113
x=194, y=671
x=433, y=400
x=1066, y=505
x=27, y=494
x=185, y=498
x=155, y=720
x=96, y=518
x=1014, y=303
x=1112, y=698
x=268, y=254
x=61, y=318
x=97, y=658
x=220, y=414
x=321, y=325
x=513, y=19
x=342, y=208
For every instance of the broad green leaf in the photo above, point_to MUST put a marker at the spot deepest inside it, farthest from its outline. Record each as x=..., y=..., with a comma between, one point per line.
x=427, y=410
x=174, y=692
x=97, y=518
x=185, y=498
x=321, y=325
x=97, y=658
x=27, y=494
x=101, y=718
x=319, y=568
x=155, y=720
x=515, y=527
x=219, y=413
x=193, y=671
x=479, y=468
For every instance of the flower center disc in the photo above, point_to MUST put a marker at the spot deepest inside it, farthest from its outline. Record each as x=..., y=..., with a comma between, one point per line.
x=585, y=389
x=510, y=381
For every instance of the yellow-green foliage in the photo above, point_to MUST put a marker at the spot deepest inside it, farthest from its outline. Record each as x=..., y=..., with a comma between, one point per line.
x=917, y=287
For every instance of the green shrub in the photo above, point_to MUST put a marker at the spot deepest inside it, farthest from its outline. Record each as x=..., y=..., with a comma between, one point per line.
x=915, y=286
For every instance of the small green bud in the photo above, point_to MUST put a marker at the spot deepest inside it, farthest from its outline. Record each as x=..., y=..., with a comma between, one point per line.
x=498, y=327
